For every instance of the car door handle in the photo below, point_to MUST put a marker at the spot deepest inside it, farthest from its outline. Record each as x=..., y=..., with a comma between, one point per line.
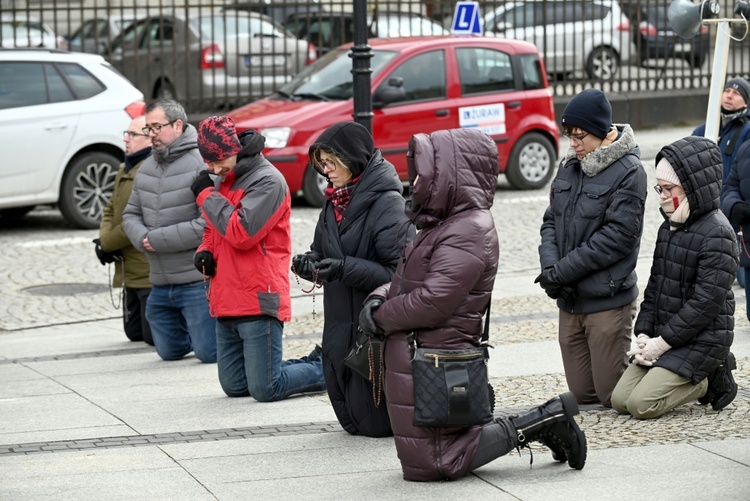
x=56, y=125
x=514, y=104
x=442, y=113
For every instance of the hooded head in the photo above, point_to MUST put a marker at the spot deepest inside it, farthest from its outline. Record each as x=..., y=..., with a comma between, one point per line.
x=351, y=142
x=590, y=111
x=217, y=139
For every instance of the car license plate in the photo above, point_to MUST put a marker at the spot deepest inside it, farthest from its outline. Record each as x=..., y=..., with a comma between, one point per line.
x=265, y=60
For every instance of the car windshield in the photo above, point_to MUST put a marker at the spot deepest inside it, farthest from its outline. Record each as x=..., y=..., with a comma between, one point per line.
x=218, y=27
x=330, y=77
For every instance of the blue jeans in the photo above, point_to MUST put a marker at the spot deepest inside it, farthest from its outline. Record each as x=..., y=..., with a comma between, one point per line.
x=250, y=361
x=180, y=322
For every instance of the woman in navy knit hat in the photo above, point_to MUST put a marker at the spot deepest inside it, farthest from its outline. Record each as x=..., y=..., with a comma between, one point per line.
x=591, y=235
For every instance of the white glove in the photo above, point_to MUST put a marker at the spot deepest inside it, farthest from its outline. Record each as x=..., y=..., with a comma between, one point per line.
x=641, y=339
x=651, y=350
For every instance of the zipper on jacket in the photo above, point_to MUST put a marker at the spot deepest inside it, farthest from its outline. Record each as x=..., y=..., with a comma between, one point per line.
x=611, y=285
x=447, y=358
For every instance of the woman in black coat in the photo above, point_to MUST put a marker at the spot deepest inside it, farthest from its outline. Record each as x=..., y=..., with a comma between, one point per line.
x=358, y=241
x=686, y=322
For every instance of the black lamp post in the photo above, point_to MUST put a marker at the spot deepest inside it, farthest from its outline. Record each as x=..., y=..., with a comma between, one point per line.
x=361, y=54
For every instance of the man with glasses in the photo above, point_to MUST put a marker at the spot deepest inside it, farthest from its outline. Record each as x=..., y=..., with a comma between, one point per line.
x=131, y=266
x=591, y=235
x=163, y=221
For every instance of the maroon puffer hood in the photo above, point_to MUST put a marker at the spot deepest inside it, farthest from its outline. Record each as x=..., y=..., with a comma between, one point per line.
x=457, y=171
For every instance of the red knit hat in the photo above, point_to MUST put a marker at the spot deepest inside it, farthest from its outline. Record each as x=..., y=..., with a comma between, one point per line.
x=217, y=139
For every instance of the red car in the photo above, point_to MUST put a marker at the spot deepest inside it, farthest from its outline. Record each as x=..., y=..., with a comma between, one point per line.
x=420, y=84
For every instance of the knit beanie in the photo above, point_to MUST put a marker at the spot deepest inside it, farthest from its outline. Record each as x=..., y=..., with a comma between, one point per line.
x=665, y=172
x=349, y=141
x=217, y=139
x=742, y=86
x=589, y=111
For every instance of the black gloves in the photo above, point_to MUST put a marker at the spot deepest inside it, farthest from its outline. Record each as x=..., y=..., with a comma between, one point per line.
x=304, y=266
x=551, y=283
x=366, y=322
x=205, y=263
x=104, y=256
x=330, y=270
x=740, y=213
x=202, y=182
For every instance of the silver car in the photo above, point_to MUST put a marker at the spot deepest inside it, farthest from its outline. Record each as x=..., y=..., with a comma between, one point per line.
x=96, y=35
x=209, y=59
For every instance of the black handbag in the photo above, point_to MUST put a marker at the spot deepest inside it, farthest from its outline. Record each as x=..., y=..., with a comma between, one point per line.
x=366, y=359
x=451, y=387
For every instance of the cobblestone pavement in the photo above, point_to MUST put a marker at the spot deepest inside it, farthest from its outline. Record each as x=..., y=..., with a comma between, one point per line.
x=43, y=252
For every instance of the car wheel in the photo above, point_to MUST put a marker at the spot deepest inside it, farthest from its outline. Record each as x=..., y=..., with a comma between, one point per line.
x=313, y=187
x=164, y=90
x=602, y=63
x=696, y=60
x=531, y=163
x=87, y=187
x=15, y=212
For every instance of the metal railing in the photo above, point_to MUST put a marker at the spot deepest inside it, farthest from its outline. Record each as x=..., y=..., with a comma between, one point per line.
x=214, y=55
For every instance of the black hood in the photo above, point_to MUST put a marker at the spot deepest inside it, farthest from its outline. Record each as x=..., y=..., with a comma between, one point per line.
x=252, y=143
x=349, y=141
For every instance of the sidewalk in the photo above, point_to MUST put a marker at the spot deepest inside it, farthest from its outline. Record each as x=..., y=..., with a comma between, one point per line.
x=85, y=414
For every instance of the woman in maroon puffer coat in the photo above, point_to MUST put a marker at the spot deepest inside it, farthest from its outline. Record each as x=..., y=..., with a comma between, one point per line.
x=442, y=288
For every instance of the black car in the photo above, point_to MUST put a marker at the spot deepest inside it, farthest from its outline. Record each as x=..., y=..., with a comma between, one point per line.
x=654, y=38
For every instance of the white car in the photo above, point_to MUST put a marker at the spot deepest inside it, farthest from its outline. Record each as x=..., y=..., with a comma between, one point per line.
x=572, y=35
x=62, y=117
x=21, y=31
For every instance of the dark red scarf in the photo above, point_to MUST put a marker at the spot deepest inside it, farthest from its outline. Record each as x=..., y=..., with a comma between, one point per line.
x=340, y=197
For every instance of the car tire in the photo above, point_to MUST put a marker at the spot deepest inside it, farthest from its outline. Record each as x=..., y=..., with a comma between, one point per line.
x=696, y=60
x=87, y=187
x=602, y=63
x=532, y=162
x=313, y=187
x=164, y=90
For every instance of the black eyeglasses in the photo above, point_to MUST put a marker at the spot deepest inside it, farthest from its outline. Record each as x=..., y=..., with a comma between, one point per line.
x=155, y=128
x=663, y=189
x=130, y=134
x=327, y=163
x=578, y=139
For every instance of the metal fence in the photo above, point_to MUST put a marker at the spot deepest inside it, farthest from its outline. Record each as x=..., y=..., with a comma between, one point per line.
x=213, y=55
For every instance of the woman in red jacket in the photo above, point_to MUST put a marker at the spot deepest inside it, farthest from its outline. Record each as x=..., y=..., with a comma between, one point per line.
x=441, y=289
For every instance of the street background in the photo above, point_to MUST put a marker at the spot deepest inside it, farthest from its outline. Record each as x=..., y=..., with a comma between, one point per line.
x=85, y=414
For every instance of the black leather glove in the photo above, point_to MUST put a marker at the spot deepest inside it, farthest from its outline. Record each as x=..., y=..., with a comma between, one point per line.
x=202, y=182
x=366, y=322
x=304, y=266
x=567, y=293
x=740, y=213
x=104, y=256
x=330, y=270
x=549, y=282
x=205, y=263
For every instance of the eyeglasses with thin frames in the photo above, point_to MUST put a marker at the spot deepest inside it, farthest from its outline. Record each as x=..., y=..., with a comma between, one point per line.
x=327, y=163
x=578, y=139
x=155, y=128
x=130, y=134
x=662, y=189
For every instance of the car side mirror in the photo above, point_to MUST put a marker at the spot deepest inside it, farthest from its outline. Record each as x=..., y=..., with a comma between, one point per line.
x=392, y=92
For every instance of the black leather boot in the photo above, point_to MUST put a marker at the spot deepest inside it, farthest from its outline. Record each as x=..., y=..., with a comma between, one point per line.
x=722, y=389
x=553, y=425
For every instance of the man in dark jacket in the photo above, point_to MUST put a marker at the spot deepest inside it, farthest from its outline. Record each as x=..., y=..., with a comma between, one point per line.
x=685, y=325
x=441, y=290
x=131, y=265
x=361, y=234
x=591, y=235
x=245, y=250
x=735, y=203
x=162, y=220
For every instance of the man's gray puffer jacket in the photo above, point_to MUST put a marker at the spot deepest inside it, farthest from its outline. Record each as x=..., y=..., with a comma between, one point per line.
x=162, y=207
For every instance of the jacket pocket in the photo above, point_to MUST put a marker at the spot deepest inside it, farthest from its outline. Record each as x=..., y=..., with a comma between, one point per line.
x=559, y=195
x=593, y=201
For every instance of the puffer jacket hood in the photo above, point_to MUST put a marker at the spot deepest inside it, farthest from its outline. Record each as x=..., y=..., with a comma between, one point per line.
x=186, y=142
x=252, y=143
x=349, y=141
x=697, y=162
x=457, y=171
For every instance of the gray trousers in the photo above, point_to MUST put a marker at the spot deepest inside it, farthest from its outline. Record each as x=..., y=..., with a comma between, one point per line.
x=649, y=392
x=594, y=347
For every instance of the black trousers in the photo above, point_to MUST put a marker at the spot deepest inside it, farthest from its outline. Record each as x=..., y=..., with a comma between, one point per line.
x=134, y=315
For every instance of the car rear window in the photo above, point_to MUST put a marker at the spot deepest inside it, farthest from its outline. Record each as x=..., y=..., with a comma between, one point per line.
x=218, y=28
x=84, y=84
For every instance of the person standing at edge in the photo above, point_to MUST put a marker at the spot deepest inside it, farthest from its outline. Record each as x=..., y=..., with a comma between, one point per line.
x=441, y=290
x=591, y=235
x=686, y=323
x=358, y=240
x=246, y=250
x=163, y=221
x=131, y=271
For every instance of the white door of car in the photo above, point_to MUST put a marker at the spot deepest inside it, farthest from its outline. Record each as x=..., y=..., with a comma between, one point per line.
x=38, y=132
